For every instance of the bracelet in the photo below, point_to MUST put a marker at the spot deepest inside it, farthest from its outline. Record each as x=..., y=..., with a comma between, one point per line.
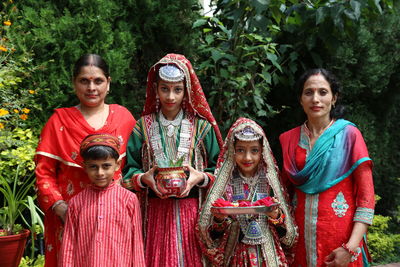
x=205, y=182
x=354, y=254
x=221, y=226
x=58, y=202
x=279, y=220
x=139, y=180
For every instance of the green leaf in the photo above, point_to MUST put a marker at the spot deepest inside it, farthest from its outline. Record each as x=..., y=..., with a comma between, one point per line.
x=321, y=14
x=273, y=58
x=378, y=6
x=260, y=5
x=209, y=39
x=261, y=113
x=216, y=55
x=224, y=73
x=350, y=14
x=356, y=7
x=199, y=22
x=266, y=76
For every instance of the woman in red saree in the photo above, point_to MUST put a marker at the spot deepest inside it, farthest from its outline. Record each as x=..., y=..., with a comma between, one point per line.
x=59, y=175
x=176, y=123
x=329, y=173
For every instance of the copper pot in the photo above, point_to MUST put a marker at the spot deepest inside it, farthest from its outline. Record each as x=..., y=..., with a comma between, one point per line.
x=171, y=181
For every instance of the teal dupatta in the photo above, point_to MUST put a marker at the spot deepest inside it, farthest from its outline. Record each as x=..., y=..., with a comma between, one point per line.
x=330, y=160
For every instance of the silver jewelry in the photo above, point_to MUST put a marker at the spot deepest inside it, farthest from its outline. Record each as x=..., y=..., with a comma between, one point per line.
x=171, y=73
x=184, y=140
x=250, y=181
x=247, y=134
x=171, y=125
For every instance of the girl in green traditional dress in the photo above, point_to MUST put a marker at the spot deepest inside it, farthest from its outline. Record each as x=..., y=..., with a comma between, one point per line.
x=176, y=124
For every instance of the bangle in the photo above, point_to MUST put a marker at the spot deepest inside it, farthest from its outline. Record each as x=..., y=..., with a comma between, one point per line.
x=279, y=220
x=354, y=254
x=205, y=182
x=58, y=202
x=139, y=180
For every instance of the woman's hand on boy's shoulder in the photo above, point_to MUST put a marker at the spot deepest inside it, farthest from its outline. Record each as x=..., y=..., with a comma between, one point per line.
x=61, y=210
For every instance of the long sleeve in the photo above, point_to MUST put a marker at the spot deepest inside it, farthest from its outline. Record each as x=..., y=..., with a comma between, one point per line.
x=137, y=236
x=68, y=240
x=46, y=182
x=212, y=148
x=364, y=192
x=133, y=165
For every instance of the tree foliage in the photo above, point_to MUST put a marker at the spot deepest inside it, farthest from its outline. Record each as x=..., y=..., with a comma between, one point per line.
x=357, y=40
x=130, y=35
x=248, y=56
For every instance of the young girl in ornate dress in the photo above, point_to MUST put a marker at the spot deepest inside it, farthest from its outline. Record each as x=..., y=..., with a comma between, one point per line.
x=246, y=170
x=176, y=124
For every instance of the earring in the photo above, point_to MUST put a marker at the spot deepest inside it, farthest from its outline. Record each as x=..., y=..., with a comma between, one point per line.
x=333, y=105
x=157, y=102
x=184, y=103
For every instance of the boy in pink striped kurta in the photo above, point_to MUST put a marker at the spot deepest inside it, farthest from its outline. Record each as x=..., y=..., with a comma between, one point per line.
x=103, y=224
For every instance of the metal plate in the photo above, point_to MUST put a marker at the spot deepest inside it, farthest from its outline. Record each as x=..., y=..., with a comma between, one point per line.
x=244, y=210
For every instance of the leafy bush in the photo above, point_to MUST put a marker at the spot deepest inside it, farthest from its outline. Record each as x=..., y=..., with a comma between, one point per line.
x=130, y=35
x=240, y=67
x=16, y=67
x=30, y=262
x=17, y=140
x=17, y=149
x=384, y=247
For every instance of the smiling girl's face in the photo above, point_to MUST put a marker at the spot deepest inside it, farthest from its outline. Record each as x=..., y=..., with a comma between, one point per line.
x=248, y=156
x=171, y=96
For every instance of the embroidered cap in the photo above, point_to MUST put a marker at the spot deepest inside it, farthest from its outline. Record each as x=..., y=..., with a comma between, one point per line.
x=247, y=134
x=99, y=140
x=171, y=73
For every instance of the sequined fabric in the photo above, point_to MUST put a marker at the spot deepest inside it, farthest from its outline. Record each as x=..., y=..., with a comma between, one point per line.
x=223, y=250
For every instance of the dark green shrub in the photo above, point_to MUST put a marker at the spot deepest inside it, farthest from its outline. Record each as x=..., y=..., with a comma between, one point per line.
x=130, y=35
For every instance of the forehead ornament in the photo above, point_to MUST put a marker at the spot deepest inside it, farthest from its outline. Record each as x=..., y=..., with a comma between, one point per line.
x=171, y=73
x=247, y=134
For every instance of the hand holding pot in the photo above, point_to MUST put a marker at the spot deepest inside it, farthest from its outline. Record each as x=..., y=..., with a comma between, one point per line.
x=148, y=179
x=195, y=178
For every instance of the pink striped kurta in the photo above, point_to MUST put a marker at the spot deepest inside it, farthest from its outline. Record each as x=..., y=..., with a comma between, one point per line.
x=103, y=228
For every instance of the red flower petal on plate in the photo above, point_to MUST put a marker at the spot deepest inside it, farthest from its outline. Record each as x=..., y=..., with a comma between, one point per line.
x=267, y=201
x=222, y=203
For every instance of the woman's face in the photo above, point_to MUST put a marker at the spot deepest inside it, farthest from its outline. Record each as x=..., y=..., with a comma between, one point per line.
x=248, y=156
x=317, y=98
x=171, y=96
x=91, y=86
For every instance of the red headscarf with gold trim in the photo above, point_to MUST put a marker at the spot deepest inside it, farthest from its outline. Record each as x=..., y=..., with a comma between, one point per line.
x=195, y=101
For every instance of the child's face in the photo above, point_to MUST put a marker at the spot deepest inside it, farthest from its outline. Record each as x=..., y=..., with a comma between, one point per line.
x=248, y=156
x=101, y=171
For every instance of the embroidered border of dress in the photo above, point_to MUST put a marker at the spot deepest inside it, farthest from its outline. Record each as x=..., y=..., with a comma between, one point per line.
x=364, y=215
x=310, y=233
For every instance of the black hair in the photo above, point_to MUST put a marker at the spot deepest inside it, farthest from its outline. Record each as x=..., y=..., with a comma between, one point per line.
x=338, y=110
x=90, y=59
x=100, y=152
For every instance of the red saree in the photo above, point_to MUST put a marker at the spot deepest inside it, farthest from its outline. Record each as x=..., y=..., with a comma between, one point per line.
x=59, y=175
